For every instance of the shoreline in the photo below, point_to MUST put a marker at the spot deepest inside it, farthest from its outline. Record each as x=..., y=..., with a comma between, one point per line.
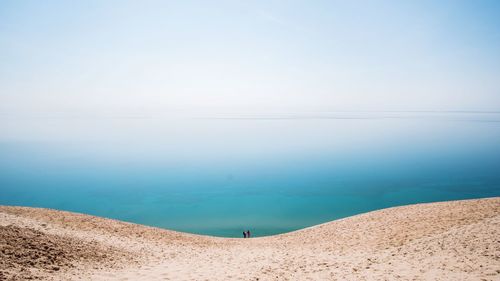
x=441, y=241
x=227, y=237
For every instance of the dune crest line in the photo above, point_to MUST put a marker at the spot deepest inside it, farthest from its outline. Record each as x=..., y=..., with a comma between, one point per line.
x=442, y=241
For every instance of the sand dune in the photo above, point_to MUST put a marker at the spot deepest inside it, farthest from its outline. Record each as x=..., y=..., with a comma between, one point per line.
x=457, y=240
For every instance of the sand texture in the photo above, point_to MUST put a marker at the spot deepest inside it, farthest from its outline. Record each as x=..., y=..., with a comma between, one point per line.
x=458, y=240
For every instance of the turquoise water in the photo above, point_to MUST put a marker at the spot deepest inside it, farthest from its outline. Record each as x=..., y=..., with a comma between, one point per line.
x=219, y=175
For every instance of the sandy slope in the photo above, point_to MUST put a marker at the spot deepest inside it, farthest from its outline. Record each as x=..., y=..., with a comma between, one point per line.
x=457, y=240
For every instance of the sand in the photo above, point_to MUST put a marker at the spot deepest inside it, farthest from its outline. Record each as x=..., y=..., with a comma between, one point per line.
x=458, y=240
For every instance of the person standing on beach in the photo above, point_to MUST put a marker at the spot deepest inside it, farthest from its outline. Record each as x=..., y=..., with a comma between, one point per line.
x=244, y=234
x=248, y=233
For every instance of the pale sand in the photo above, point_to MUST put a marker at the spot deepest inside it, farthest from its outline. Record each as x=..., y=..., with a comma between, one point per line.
x=457, y=240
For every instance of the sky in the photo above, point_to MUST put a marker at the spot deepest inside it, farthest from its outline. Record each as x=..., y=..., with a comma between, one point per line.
x=121, y=57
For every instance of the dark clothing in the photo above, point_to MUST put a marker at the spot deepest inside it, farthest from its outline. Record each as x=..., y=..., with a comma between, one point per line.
x=244, y=234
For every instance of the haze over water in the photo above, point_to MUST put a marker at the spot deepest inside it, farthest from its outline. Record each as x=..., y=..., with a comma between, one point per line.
x=218, y=116
x=270, y=173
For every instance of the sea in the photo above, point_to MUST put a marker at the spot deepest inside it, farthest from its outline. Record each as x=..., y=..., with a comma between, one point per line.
x=221, y=174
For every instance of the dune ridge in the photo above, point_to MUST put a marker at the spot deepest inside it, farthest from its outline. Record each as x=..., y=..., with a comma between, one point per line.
x=455, y=240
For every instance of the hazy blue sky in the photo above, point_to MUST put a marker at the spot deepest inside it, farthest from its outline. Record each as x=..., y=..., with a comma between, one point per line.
x=219, y=56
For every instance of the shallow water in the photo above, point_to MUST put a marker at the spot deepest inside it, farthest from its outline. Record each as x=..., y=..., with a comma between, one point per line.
x=221, y=174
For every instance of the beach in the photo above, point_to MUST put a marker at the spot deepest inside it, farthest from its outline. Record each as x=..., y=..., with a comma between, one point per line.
x=250, y=140
x=456, y=240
